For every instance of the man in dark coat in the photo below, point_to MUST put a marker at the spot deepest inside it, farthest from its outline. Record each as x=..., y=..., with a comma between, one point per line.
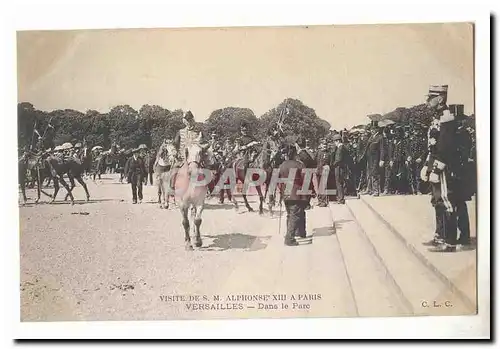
x=340, y=162
x=322, y=162
x=389, y=155
x=295, y=203
x=136, y=171
x=304, y=155
x=375, y=156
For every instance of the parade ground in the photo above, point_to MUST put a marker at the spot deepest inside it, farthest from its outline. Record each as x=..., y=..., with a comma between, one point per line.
x=108, y=259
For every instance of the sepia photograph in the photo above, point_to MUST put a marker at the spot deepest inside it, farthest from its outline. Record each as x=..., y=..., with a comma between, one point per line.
x=271, y=172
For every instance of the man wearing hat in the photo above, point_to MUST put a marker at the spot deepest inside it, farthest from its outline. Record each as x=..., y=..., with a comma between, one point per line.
x=322, y=163
x=375, y=160
x=441, y=168
x=340, y=162
x=295, y=203
x=136, y=171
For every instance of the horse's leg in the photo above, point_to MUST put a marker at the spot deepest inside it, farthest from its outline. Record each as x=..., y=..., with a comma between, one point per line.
x=56, y=188
x=72, y=182
x=68, y=189
x=261, y=199
x=197, y=224
x=22, y=183
x=39, y=182
x=185, y=224
x=82, y=182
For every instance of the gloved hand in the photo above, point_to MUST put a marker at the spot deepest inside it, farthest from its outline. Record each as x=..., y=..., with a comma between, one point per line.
x=434, y=177
x=391, y=163
x=419, y=160
x=381, y=164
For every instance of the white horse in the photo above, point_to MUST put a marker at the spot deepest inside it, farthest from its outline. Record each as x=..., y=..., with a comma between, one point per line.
x=191, y=195
x=165, y=160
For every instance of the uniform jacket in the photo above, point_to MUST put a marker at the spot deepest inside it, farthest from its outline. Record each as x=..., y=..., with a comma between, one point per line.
x=375, y=148
x=186, y=136
x=322, y=158
x=298, y=180
x=341, y=157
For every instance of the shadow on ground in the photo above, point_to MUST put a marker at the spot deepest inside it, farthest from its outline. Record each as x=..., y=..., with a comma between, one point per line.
x=330, y=230
x=62, y=202
x=219, y=207
x=236, y=241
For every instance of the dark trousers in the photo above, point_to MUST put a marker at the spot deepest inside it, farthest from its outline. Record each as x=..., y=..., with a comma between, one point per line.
x=361, y=174
x=322, y=197
x=295, y=219
x=463, y=223
x=136, y=183
x=339, y=182
x=150, y=176
x=389, y=178
x=373, y=178
x=446, y=212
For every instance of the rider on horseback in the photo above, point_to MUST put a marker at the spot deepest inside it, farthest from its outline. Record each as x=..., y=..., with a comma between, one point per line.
x=191, y=134
x=247, y=144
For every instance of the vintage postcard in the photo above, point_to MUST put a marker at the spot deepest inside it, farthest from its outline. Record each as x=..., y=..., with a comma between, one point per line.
x=247, y=172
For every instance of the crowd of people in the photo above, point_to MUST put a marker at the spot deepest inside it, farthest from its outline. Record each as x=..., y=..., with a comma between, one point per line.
x=381, y=158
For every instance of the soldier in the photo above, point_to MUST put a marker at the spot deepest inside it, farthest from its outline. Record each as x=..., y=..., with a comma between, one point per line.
x=466, y=181
x=295, y=203
x=341, y=160
x=389, y=155
x=77, y=151
x=441, y=170
x=322, y=162
x=361, y=162
x=136, y=171
x=305, y=157
x=247, y=143
x=375, y=156
x=188, y=135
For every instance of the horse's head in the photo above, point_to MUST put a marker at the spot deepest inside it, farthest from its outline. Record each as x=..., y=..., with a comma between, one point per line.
x=167, y=151
x=194, y=154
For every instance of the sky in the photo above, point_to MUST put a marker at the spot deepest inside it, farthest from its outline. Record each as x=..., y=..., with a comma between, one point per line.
x=343, y=72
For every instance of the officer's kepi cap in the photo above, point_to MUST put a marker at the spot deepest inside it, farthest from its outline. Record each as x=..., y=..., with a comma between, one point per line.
x=437, y=90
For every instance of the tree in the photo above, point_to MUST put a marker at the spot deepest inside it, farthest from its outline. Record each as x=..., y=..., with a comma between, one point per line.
x=298, y=120
x=226, y=122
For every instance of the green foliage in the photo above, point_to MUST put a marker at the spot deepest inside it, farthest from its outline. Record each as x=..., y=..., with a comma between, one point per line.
x=151, y=124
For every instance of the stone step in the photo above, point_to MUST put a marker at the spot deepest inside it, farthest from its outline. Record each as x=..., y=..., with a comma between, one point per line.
x=424, y=291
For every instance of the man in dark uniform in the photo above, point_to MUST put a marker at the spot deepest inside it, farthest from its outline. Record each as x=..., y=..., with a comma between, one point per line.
x=389, y=152
x=361, y=162
x=136, y=171
x=295, y=203
x=375, y=156
x=465, y=177
x=340, y=163
x=305, y=156
x=322, y=162
x=441, y=169
x=247, y=143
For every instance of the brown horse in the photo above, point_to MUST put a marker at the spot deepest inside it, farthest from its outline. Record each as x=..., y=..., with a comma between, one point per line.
x=190, y=189
x=60, y=166
x=264, y=160
x=34, y=165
